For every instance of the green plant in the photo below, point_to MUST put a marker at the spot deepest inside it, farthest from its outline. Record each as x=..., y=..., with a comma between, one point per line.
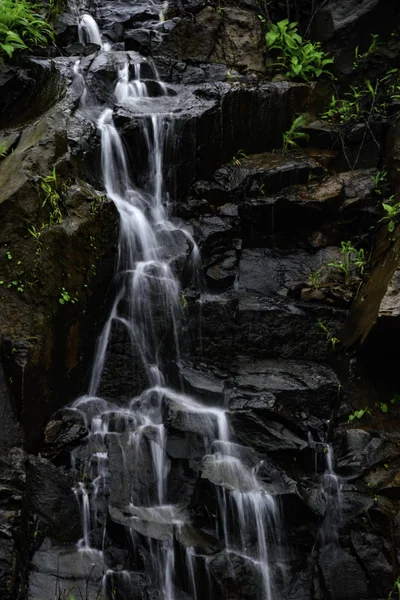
x=314, y=279
x=356, y=105
x=66, y=297
x=53, y=188
x=372, y=48
x=3, y=150
x=380, y=181
x=358, y=414
x=351, y=259
x=22, y=27
x=392, y=213
x=236, y=160
x=395, y=589
x=56, y=7
x=298, y=57
x=395, y=399
x=384, y=407
x=331, y=340
x=293, y=135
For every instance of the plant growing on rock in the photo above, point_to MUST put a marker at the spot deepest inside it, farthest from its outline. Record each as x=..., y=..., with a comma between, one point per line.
x=22, y=28
x=293, y=135
x=339, y=279
x=236, y=160
x=54, y=188
x=356, y=105
x=395, y=589
x=392, y=213
x=66, y=297
x=297, y=57
x=331, y=340
x=380, y=181
x=373, y=47
x=358, y=414
x=350, y=260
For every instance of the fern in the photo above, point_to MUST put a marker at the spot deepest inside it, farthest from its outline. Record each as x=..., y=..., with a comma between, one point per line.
x=22, y=28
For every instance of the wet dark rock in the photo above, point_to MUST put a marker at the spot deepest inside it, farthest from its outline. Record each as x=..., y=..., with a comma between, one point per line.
x=67, y=570
x=267, y=272
x=202, y=383
x=194, y=538
x=359, y=146
x=342, y=573
x=145, y=41
x=64, y=431
x=27, y=93
x=231, y=37
x=264, y=434
x=263, y=223
x=346, y=24
x=258, y=173
x=237, y=577
x=77, y=49
x=50, y=497
x=12, y=488
x=127, y=581
x=359, y=451
x=10, y=433
x=273, y=327
x=276, y=385
x=210, y=111
x=129, y=483
x=201, y=422
x=313, y=215
x=66, y=28
x=127, y=13
x=375, y=556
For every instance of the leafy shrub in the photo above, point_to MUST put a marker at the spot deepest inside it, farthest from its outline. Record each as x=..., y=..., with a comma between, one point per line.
x=392, y=213
x=298, y=57
x=21, y=28
x=356, y=105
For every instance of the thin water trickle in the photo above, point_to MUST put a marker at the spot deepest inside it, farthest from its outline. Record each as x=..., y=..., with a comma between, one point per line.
x=127, y=443
x=332, y=486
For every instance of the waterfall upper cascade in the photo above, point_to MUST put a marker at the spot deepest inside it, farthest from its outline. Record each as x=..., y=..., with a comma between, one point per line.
x=148, y=306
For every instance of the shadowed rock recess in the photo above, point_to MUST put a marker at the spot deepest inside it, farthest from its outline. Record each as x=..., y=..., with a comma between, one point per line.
x=199, y=391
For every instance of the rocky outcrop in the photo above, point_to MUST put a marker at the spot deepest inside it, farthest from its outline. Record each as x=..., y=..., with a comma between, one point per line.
x=263, y=340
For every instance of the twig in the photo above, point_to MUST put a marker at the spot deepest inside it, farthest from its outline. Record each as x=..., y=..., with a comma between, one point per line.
x=313, y=15
x=366, y=124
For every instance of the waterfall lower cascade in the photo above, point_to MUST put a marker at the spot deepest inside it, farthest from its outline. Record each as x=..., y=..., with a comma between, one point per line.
x=123, y=472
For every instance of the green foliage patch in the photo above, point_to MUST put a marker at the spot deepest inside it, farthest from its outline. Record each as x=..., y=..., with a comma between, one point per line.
x=298, y=58
x=22, y=28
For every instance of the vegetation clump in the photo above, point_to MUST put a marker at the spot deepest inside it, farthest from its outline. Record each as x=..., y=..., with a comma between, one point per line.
x=293, y=135
x=298, y=58
x=339, y=279
x=22, y=28
x=54, y=188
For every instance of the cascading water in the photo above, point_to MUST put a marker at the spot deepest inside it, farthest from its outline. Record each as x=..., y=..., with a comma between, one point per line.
x=331, y=485
x=88, y=31
x=148, y=306
x=333, y=501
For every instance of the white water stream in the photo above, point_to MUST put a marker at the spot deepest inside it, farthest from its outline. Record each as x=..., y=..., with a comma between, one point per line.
x=147, y=291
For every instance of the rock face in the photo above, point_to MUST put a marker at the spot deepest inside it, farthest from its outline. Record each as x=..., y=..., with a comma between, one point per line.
x=272, y=473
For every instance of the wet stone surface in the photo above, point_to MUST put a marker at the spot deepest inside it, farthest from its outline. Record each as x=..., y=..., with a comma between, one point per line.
x=250, y=483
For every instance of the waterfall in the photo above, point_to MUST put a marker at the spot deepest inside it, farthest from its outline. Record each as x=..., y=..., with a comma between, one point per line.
x=333, y=499
x=147, y=306
x=88, y=31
